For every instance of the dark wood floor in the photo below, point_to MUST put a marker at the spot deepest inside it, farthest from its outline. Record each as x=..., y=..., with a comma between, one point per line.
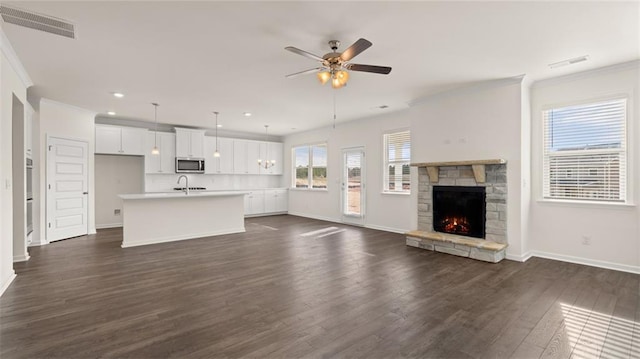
x=293, y=287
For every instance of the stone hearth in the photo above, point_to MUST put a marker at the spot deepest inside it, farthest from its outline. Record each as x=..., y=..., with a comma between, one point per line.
x=491, y=174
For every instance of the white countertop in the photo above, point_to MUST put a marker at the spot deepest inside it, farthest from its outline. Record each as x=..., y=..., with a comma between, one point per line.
x=180, y=194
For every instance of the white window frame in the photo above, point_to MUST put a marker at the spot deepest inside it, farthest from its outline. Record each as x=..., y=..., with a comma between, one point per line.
x=399, y=163
x=309, y=167
x=624, y=150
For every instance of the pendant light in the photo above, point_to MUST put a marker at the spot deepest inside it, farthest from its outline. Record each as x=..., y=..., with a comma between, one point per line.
x=216, y=154
x=266, y=163
x=155, y=150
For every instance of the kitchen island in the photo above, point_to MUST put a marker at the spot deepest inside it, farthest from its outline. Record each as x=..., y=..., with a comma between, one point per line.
x=150, y=218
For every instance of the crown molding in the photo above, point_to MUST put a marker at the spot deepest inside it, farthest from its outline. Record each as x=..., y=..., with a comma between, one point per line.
x=633, y=64
x=62, y=104
x=478, y=86
x=13, y=59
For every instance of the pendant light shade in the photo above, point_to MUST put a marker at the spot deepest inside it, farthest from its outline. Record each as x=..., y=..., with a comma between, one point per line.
x=216, y=153
x=155, y=150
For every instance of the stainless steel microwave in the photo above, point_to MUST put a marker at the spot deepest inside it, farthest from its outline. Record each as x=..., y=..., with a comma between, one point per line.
x=189, y=165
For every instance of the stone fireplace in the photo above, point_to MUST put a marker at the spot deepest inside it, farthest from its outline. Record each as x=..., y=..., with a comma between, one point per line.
x=481, y=186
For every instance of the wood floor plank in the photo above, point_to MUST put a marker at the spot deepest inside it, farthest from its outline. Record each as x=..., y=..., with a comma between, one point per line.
x=293, y=287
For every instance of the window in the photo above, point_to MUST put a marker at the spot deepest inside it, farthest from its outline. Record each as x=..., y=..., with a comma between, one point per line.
x=397, y=157
x=585, y=152
x=310, y=166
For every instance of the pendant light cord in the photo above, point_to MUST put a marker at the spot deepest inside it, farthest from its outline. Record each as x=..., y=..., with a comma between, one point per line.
x=155, y=115
x=216, y=130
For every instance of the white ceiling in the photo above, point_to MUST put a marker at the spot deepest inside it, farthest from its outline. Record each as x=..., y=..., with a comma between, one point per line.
x=198, y=57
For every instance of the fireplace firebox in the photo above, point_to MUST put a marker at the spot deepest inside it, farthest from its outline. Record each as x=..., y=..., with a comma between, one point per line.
x=459, y=210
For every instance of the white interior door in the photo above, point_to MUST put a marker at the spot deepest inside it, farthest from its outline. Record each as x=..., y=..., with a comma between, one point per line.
x=67, y=188
x=353, y=185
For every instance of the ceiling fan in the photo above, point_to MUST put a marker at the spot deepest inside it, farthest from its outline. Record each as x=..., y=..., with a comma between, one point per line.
x=334, y=65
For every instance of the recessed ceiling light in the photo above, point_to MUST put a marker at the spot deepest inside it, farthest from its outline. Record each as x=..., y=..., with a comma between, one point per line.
x=247, y=114
x=568, y=62
x=219, y=125
x=111, y=113
x=118, y=94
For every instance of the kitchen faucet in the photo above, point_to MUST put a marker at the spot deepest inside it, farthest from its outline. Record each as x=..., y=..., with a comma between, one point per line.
x=186, y=183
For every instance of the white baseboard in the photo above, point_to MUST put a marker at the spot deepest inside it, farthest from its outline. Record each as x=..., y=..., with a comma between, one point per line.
x=21, y=258
x=587, y=262
x=386, y=229
x=313, y=216
x=519, y=258
x=108, y=225
x=334, y=220
x=37, y=244
x=6, y=284
x=182, y=238
x=264, y=214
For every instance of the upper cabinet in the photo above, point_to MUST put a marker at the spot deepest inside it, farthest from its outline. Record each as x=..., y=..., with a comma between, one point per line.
x=222, y=164
x=245, y=157
x=189, y=143
x=165, y=162
x=117, y=140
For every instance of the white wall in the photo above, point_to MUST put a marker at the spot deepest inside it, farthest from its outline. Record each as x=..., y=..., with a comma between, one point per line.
x=64, y=121
x=476, y=123
x=13, y=81
x=557, y=229
x=19, y=164
x=115, y=175
x=166, y=182
x=393, y=212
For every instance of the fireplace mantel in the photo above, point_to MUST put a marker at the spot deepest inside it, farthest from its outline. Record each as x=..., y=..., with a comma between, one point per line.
x=433, y=168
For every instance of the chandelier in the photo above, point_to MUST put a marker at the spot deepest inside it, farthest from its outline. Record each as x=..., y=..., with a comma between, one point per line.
x=266, y=163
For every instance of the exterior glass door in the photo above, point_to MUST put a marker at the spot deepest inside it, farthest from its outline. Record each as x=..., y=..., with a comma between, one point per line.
x=353, y=194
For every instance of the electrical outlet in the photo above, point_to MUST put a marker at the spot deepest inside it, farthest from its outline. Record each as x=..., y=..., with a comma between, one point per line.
x=116, y=212
x=586, y=240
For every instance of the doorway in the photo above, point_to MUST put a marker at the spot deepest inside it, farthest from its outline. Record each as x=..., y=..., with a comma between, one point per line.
x=67, y=188
x=353, y=186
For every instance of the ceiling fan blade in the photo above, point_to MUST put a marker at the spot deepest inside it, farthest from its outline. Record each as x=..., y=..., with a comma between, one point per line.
x=304, y=72
x=369, y=68
x=355, y=49
x=296, y=50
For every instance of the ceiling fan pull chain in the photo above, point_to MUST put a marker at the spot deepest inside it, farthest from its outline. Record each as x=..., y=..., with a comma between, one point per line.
x=334, y=110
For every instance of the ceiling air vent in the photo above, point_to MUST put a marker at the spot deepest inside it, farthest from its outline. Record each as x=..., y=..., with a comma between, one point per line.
x=36, y=21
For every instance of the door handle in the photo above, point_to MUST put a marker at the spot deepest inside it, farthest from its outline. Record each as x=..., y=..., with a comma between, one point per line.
x=85, y=192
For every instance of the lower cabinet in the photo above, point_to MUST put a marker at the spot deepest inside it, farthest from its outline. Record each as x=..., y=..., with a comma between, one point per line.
x=254, y=203
x=267, y=201
x=275, y=200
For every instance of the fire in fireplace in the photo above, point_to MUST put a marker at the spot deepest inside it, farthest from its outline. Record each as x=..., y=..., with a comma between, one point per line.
x=459, y=210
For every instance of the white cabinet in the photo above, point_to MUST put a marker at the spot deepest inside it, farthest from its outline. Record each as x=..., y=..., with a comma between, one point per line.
x=275, y=200
x=165, y=162
x=245, y=157
x=271, y=151
x=189, y=143
x=254, y=203
x=118, y=140
x=222, y=164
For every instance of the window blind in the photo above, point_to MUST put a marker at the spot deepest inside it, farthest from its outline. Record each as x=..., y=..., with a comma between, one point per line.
x=397, y=147
x=585, y=152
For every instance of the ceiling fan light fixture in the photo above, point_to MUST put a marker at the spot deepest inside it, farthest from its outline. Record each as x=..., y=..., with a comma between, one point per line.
x=324, y=76
x=342, y=76
x=336, y=83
